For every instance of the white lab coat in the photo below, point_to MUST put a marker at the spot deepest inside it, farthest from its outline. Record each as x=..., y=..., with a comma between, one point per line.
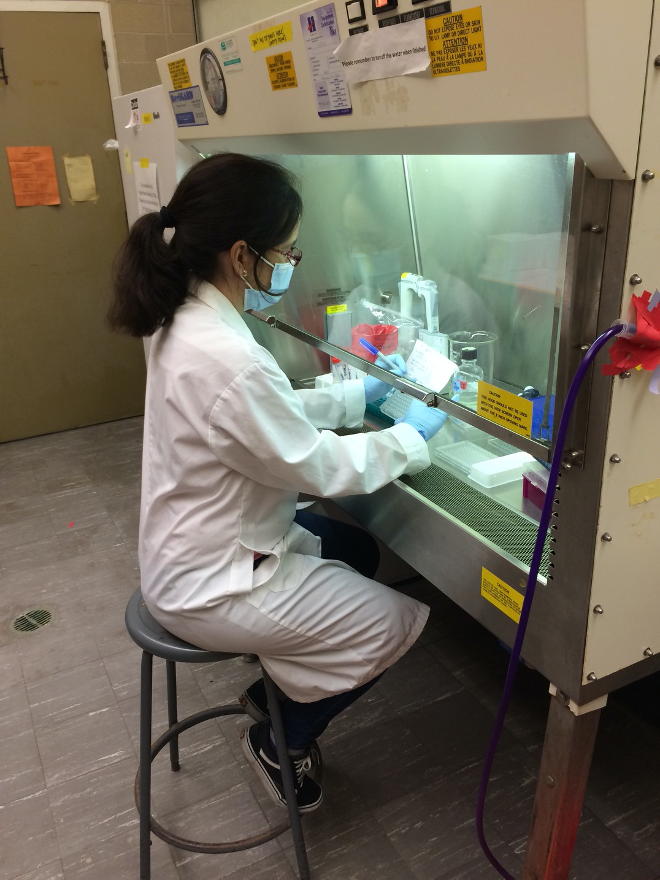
x=228, y=445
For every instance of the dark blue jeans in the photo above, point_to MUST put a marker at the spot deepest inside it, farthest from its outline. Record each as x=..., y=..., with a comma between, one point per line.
x=303, y=723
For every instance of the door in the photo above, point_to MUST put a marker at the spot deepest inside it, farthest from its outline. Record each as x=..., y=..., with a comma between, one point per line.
x=60, y=367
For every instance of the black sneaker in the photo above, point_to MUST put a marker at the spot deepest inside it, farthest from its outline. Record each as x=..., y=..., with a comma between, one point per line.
x=254, y=701
x=255, y=742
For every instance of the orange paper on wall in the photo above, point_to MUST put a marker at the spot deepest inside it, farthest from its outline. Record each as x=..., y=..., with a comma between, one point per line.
x=33, y=177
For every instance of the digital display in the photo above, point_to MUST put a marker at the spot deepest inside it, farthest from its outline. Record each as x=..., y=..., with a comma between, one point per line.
x=380, y=3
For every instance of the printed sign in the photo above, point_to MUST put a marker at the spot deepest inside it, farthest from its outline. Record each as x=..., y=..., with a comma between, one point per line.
x=387, y=52
x=147, y=118
x=188, y=107
x=272, y=36
x=33, y=177
x=281, y=71
x=505, y=409
x=319, y=29
x=499, y=593
x=146, y=186
x=229, y=55
x=456, y=42
x=179, y=74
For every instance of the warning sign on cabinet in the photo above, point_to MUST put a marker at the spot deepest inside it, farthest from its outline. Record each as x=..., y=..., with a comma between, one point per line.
x=505, y=409
x=272, y=36
x=281, y=71
x=456, y=42
x=179, y=74
x=501, y=595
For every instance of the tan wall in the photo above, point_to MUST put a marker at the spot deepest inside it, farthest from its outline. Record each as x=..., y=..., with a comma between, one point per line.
x=145, y=31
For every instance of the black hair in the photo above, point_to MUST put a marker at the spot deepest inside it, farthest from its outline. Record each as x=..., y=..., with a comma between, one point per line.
x=219, y=201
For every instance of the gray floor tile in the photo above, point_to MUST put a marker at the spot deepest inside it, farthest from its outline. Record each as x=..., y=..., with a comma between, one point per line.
x=355, y=851
x=50, y=872
x=273, y=867
x=416, y=680
x=76, y=510
x=65, y=643
x=94, y=537
x=84, y=744
x=227, y=816
x=432, y=828
x=24, y=557
x=94, y=807
x=27, y=835
x=21, y=774
x=68, y=694
x=11, y=672
x=123, y=670
x=456, y=731
x=119, y=857
x=398, y=762
x=22, y=532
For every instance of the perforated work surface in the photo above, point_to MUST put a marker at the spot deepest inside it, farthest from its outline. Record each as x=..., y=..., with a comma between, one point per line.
x=511, y=532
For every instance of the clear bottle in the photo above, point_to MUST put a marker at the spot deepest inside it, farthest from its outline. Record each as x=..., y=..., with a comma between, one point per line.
x=467, y=377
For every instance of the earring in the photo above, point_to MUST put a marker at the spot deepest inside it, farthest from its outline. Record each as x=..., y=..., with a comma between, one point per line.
x=244, y=272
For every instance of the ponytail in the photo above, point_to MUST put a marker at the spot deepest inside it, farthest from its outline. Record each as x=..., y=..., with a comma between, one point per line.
x=221, y=200
x=150, y=282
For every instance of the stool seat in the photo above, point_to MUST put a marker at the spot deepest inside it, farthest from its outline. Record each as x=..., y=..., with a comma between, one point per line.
x=153, y=638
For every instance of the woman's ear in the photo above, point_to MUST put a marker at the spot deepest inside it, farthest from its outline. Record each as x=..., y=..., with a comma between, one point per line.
x=239, y=256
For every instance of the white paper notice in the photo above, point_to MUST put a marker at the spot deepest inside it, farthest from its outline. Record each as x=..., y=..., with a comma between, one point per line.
x=429, y=368
x=392, y=51
x=146, y=187
x=134, y=119
x=319, y=28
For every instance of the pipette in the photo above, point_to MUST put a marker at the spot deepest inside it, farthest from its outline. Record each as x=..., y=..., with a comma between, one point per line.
x=374, y=351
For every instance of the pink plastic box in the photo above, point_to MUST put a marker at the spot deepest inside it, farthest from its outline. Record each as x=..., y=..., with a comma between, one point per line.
x=534, y=489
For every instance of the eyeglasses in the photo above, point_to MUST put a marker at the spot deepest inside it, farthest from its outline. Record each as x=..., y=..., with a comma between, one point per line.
x=294, y=256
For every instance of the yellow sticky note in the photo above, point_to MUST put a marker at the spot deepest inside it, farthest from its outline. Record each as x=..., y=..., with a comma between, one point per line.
x=505, y=409
x=332, y=310
x=281, y=71
x=147, y=118
x=179, y=74
x=499, y=593
x=456, y=42
x=128, y=165
x=272, y=36
x=80, y=178
x=644, y=492
x=144, y=163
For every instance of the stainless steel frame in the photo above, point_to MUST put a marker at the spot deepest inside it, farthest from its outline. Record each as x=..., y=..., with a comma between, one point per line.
x=433, y=542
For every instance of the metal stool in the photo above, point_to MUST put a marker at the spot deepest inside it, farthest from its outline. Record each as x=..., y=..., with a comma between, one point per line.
x=155, y=640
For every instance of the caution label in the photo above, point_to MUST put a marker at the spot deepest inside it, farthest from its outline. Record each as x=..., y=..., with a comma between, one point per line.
x=272, y=36
x=281, y=71
x=179, y=74
x=505, y=409
x=332, y=310
x=501, y=595
x=456, y=42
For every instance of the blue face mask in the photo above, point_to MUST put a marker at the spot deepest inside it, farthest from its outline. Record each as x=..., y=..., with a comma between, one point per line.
x=279, y=283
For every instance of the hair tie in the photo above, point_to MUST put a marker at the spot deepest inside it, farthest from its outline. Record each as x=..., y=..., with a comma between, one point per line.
x=166, y=217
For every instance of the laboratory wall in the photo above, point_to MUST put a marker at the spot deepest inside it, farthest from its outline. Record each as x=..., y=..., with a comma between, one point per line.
x=145, y=31
x=215, y=17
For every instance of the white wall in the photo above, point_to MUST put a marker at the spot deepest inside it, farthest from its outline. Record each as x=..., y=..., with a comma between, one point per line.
x=217, y=17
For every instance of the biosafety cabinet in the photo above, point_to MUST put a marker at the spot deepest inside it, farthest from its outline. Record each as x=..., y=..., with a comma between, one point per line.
x=503, y=159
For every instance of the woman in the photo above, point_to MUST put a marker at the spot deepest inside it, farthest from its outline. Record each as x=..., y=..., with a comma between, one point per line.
x=226, y=562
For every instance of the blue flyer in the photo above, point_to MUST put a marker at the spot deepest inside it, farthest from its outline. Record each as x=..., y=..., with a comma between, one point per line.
x=188, y=107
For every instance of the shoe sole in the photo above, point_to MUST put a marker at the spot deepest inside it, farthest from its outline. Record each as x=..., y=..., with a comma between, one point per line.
x=266, y=782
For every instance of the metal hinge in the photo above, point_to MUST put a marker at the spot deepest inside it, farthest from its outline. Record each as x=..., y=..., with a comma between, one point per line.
x=105, y=54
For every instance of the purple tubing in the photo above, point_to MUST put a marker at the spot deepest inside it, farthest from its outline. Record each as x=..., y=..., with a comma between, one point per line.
x=531, y=585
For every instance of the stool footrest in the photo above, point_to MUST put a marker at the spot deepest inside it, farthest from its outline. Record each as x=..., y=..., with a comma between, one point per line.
x=187, y=843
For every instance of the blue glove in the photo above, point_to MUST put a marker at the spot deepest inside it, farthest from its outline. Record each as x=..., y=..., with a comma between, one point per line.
x=426, y=420
x=374, y=389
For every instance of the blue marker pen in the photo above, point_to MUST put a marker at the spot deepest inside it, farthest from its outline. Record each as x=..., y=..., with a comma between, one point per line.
x=374, y=351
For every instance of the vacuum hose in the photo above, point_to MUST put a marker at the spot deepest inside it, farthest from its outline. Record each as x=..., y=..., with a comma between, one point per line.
x=531, y=583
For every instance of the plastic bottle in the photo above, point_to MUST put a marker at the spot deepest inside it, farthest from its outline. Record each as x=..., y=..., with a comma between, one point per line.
x=467, y=377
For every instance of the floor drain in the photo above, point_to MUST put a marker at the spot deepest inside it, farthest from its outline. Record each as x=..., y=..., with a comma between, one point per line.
x=33, y=620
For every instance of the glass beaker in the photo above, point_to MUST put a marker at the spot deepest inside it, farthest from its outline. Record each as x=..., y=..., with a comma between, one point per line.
x=484, y=342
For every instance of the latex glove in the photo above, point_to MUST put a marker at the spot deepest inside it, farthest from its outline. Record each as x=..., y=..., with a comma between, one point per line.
x=378, y=388
x=426, y=420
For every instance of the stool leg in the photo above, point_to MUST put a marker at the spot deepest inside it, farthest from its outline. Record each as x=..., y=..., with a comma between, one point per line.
x=287, y=775
x=145, y=764
x=172, y=717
